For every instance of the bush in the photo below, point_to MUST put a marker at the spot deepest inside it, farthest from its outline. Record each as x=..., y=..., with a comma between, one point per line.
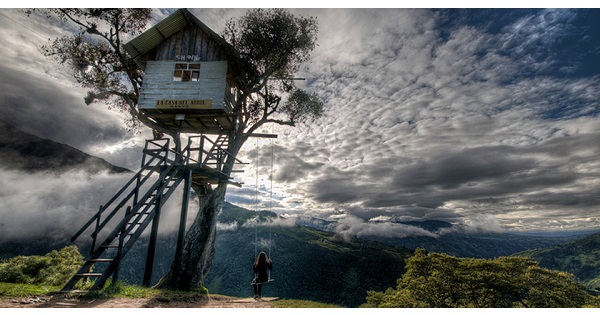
x=440, y=280
x=55, y=268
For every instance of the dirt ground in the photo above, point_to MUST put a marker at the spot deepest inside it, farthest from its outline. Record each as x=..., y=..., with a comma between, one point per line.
x=63, y=301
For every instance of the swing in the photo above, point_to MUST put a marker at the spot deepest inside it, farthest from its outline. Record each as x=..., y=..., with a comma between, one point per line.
x=269, y=279
x=256, y=277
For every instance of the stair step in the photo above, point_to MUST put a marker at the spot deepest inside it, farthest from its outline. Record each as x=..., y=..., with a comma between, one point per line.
x=88, y=274
x=110, y=246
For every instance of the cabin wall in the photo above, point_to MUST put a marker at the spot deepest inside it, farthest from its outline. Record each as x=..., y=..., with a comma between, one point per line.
x=159, y=85
x=189, y=43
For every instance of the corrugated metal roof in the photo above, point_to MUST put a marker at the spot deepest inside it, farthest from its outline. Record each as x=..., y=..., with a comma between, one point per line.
x=151, y=38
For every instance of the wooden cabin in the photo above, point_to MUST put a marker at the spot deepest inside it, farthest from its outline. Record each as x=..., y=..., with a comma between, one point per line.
x=189, y=74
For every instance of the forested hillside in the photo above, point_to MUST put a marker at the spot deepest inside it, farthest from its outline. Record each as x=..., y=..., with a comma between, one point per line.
x=581, y=258
x=307, y=264
x=479, y=245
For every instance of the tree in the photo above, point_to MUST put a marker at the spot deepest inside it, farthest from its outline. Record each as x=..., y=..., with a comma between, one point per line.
x=440, y=280
x=272, y=44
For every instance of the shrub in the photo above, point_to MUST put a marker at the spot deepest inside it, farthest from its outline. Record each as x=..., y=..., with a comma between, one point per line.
x=440, y=280
x=55, y=268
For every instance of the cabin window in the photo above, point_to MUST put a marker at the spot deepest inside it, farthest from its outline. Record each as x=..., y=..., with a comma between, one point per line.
x=185, y=72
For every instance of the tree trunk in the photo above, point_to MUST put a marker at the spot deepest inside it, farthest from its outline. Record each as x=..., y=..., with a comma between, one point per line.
x=199, y=246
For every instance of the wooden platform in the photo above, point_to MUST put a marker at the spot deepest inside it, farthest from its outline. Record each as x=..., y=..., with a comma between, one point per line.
x=252, y=300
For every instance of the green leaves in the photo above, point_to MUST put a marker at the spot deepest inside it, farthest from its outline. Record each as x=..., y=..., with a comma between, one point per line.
x=302, y=106
x=440, y=280
x=53, y=269
x=272, y=41
x=95, y=56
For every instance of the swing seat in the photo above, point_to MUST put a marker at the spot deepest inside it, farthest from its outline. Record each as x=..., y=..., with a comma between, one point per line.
x=254, y=281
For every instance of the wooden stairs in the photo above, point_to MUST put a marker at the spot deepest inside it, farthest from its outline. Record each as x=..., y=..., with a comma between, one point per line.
x=139, y=202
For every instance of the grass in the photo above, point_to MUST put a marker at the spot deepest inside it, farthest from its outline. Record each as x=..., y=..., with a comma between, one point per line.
x=23, y=290
x=301, y=304
x=11, y=290
x=118, y=290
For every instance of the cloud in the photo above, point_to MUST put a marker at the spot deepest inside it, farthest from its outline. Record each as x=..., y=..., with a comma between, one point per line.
x=227, y=226
x=256, y=221
x=446, y=114
x=425, y=117
x=479, y=223
x=351, y=226
x=40, y=97
x=58, y=205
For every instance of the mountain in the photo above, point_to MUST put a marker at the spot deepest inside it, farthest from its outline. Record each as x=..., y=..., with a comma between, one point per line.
x=20, y=150
x=477, y=245
x=307, y=263
x=460, y=244
x=580, y=257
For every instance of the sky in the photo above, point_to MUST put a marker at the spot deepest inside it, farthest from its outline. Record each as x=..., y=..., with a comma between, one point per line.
x=484, y=118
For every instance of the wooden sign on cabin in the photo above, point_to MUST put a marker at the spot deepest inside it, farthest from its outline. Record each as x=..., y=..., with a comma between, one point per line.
x=188, y=70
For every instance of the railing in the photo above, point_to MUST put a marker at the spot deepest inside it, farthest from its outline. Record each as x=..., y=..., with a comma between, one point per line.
x=214, y=158
x=139, y=179
x=157, y=158
x=139, y=201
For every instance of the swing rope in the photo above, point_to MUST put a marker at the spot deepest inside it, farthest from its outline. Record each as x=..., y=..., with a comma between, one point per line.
x=256, y=205
x=271, y=193
x=270, y=204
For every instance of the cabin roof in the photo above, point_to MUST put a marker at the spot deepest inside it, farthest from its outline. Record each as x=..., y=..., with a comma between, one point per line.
x=179, y=19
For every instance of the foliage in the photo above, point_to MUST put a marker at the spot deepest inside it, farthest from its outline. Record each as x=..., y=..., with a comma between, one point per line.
x=55, y=268
x=96, y=59
x=440, y=280
x=285, y=303
x=122, y=290
x=581, y=258
x=23, y=290
x=593, y=302
x=273, y=43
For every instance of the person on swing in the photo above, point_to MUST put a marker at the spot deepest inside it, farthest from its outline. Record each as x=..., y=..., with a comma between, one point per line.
x=261, y=267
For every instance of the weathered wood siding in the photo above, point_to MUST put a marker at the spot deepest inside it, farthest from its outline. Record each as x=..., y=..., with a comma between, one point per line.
x=159, y=85
x=190, y=41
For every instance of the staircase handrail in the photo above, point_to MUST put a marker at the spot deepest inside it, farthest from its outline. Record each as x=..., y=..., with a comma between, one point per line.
x=123, y=189
x=208, y=154
x=136, y=207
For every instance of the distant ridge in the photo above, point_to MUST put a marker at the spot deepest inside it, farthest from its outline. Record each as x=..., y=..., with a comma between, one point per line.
x=22, y=151
x=580, y=257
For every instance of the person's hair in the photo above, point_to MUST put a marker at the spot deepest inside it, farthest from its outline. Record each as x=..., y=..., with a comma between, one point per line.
x=262, y=257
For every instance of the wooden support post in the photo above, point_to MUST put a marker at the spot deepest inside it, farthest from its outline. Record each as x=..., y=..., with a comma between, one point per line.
x=119, y=255
x=182, y=221
x=152, y=243
x=96, y=230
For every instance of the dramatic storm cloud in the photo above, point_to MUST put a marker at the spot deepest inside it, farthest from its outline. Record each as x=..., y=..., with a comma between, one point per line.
x=472, y=112
x=487, y=119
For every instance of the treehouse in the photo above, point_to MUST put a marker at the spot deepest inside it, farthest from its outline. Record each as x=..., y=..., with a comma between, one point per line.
x=190, y=73
x=189, y=86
